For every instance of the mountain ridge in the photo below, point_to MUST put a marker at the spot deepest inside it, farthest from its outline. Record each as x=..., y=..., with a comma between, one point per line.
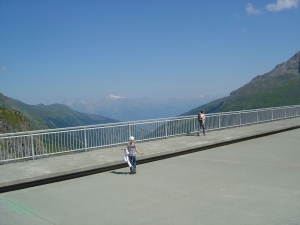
x=278, y=87
x=52, y=116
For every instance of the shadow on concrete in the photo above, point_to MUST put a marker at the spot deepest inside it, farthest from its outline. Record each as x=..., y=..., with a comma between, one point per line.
x=120, y=173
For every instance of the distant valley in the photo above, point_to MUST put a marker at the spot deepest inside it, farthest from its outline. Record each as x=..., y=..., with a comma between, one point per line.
x=278, y=87
x=129, y=109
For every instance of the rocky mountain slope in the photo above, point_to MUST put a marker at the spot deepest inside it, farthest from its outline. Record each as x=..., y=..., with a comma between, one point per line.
x=279, y=87
x=13, y=121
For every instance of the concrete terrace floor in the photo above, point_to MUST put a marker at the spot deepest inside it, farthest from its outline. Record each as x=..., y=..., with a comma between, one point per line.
x=229, y=178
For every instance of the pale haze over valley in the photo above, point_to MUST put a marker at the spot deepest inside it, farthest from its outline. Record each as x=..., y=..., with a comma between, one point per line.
x=54, y=51
x=128, y=109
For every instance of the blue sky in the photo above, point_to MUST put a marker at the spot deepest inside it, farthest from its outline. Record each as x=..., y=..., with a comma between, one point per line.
x=54, y=50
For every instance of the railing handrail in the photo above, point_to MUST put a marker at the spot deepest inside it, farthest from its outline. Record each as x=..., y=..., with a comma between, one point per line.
x=136, y=122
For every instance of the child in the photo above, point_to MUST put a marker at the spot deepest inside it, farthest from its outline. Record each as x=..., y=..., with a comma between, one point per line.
x=132, y=149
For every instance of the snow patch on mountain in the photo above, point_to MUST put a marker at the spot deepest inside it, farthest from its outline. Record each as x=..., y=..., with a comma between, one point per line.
x=115, y=97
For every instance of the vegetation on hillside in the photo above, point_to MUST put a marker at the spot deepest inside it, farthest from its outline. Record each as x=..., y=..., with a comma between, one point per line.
x=51, y=116
x=12, y=121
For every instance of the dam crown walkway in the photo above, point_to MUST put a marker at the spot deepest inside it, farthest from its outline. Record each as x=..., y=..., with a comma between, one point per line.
x=29, y=173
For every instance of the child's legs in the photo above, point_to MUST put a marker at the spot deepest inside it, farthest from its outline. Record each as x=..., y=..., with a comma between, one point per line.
x=133, y=162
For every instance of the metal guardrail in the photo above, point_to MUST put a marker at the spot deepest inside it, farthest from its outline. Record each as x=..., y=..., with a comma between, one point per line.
x=40, y=143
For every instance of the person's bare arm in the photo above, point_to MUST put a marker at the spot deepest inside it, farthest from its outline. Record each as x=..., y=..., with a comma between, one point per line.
x=139, y=151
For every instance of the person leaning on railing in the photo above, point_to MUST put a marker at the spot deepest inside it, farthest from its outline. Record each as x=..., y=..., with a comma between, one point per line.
x=201, y=120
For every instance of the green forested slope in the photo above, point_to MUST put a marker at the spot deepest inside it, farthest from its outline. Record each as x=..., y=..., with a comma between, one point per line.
x=51, y=116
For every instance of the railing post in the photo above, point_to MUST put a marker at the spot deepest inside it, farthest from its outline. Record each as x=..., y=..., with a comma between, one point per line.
x=129, y=129
x=285, y=113
x=272, y=114
x=166, y=130
x=257, y=116
x=219, y=121
x=32, y=147
x=240, y=118
x=85, y=140
x=195, y=119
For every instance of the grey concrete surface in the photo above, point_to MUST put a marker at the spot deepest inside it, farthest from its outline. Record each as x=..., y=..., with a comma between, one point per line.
x=251, y=182
x=44, y=168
